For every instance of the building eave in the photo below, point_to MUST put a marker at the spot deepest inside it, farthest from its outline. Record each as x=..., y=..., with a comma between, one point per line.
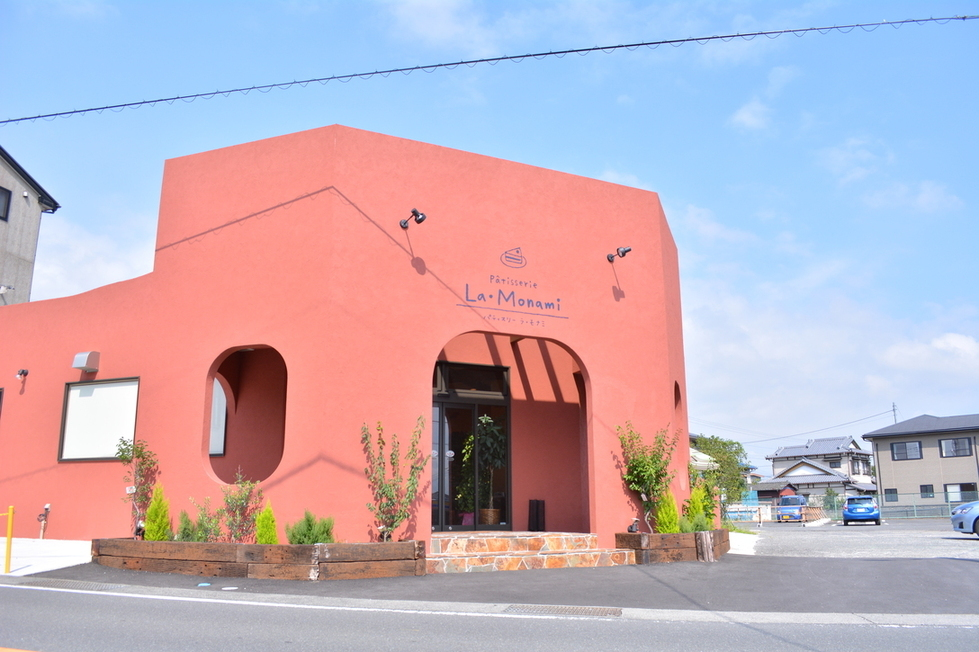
x=47, y=202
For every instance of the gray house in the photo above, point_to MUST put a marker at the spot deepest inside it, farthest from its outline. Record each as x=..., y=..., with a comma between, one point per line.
x=22, y=200
x=927, y=460
x=837, y=463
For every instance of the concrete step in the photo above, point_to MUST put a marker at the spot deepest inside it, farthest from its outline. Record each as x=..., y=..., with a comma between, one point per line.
x=465, y=552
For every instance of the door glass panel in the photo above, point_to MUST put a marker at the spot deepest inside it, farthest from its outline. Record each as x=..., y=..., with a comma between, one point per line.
x=461, y=466
x=493, y=461
x=439, y=471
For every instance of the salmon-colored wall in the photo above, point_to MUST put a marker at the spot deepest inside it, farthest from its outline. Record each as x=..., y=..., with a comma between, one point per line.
x=293, y=243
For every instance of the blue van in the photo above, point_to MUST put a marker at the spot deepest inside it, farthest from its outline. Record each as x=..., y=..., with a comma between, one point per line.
x=790, y=509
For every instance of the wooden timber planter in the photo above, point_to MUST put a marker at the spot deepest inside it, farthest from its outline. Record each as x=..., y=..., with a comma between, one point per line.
x=660, y=548
x=321, y=561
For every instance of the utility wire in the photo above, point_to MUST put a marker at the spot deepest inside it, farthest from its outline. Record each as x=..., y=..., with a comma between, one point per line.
x=867, y=27
x=798, y=434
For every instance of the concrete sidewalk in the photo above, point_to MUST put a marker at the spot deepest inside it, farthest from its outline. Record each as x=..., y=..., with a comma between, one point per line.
x=30, y=556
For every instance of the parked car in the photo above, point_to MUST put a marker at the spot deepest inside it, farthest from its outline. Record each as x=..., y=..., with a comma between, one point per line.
x=861, y=508
x=965, y=518
x=790, y=508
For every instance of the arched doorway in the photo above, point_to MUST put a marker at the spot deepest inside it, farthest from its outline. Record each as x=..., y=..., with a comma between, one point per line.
x=508, y=428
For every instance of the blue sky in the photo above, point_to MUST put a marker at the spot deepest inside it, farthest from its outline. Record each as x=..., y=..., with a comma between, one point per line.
x=822, y=190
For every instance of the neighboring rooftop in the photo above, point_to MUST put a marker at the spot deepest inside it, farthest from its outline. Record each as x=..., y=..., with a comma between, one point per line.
x=824, y=446
x=927, y=423
x=48, y=203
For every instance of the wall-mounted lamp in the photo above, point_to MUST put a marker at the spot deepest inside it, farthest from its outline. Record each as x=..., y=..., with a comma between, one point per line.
x=419, y=218
x=22, y=374
x=87, y=361
x=620, y=252
x=5, y=288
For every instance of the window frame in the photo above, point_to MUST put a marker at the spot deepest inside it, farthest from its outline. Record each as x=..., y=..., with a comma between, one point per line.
x=891, y=496
x=66, y=422
x=926, y=490
x=895, y=458
x=6, y=198
x=967, y=440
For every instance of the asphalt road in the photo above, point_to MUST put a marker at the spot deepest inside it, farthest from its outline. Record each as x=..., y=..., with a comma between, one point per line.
x=896, y=538
x=906, y=585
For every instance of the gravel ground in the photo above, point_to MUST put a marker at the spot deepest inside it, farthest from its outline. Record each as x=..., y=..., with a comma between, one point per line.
x=910, y=538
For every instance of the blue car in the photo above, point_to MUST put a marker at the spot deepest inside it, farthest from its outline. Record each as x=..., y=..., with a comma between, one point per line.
x=790, y=509
x=861, y=508
x=965, y=518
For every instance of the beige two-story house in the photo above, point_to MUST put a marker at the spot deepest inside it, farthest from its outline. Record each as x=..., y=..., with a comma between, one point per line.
x=927, y=461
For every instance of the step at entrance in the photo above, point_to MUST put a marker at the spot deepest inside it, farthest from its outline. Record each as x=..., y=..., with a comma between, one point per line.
x=466, y=552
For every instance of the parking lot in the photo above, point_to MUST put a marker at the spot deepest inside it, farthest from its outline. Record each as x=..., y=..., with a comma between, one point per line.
x=912, y=538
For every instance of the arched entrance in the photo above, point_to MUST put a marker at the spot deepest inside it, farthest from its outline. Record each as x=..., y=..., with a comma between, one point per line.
x=508, y=428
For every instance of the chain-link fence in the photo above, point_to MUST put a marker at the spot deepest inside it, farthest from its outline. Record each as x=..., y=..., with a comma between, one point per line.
x=892, y=505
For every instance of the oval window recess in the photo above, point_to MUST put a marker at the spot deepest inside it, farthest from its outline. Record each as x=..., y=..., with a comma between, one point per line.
x=248, y=408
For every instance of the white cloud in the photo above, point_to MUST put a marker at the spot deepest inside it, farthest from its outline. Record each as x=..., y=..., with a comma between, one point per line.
x=851, y=161
x=928, y=197
x=950, y=355
x=753, y=115
x=778, y=78
x=624, y=179
x=794, y=361
x=702, y=222
x=71, y=259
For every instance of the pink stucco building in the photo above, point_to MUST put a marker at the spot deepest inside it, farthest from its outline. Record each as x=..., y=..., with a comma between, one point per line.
x=288, y=306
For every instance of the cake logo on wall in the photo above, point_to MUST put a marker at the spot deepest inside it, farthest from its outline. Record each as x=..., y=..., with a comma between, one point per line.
x=513, y=258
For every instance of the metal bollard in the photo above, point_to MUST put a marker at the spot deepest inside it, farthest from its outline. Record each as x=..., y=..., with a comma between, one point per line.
x=10, y=538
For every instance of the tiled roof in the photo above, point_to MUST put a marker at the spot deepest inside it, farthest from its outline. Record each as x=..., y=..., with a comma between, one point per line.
x=824, y=446
x=927, y=423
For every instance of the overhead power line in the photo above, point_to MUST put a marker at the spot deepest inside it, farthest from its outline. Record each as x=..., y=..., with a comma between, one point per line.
x=702, y=40
x=798, y=434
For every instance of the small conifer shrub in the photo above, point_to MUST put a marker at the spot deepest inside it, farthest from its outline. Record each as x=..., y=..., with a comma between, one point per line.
x=667, y=516
x=265, y=530
x=158, y=525
x=186, y=530
x=311, y=530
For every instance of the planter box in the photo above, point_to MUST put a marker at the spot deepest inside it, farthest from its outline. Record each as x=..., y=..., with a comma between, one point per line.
x=661, y=548
x=284, y=562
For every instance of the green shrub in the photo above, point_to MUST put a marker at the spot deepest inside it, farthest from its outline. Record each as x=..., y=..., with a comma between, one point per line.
x=186, y=531
x=701, y=524
x=242, y=501
x=393, y=493
x=265, y=531
x=647, y=466
x=158, y=526
x=695, y=505
x=686, y=525
x=208, y=526
x=311, y=530
x=667, y=516
x=143, y=470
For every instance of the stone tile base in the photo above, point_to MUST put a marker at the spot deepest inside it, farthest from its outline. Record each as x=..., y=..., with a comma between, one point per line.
x=468, y=552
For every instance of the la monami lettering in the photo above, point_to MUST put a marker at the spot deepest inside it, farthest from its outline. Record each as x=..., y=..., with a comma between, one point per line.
x=511, y=300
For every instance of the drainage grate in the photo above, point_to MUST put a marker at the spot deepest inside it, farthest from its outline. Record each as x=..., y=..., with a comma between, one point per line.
x=77, y=585
x=555, y=610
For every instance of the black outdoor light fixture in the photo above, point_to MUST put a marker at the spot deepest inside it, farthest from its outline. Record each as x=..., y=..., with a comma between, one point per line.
x=419, y=218
x=22, y=374
x=620, y=252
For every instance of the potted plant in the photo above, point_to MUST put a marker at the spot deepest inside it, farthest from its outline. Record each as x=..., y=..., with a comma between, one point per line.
x=489, y=445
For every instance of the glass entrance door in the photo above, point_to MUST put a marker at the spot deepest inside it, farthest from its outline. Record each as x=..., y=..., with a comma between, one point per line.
x=471, y=461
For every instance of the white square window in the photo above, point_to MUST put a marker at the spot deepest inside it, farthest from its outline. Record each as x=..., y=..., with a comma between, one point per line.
x=97, y=415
